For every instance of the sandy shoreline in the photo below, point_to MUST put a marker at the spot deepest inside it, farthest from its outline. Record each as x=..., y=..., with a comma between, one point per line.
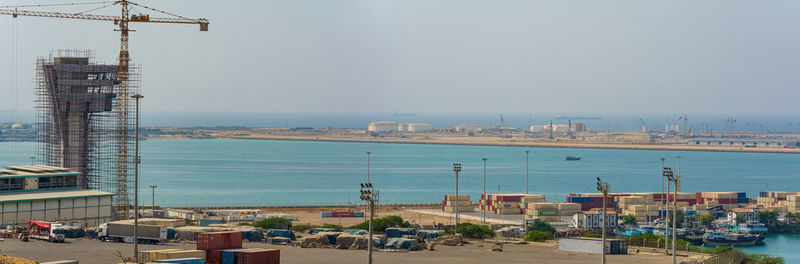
x=517, y=143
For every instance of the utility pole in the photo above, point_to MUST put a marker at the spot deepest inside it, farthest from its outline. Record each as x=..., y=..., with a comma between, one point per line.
x=370, y=195
x=663, y=201
x=670, y=176
x=603, y=187
x=483, y=206
x=457, y=169
x=32, y=160
x=137, y=160
x=154, y=199
x=526, y=171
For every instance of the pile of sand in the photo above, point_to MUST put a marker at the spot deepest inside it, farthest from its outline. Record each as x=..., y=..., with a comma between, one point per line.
x=15, y=260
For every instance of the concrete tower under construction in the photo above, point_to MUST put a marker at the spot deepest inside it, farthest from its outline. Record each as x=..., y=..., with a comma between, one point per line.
x=78, y=110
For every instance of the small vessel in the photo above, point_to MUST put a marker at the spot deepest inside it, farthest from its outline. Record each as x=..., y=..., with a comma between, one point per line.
x=753, y=228
x=573, y=158
x=721, y=238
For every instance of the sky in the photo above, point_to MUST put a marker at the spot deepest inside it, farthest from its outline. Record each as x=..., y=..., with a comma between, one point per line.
x=445, y=56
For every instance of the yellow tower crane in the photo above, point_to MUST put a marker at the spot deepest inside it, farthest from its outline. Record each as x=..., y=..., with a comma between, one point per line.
x=122, y=21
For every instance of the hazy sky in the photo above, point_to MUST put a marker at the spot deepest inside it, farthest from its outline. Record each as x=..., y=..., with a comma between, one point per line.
x=442, y=56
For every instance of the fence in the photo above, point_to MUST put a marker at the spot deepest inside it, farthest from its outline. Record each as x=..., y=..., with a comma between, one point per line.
x=731, y=256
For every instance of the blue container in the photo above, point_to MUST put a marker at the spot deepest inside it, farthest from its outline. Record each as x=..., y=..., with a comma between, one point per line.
x=182, y=261
x=358, y=214
x=690, y=213
x=229, y=256
x=762, y=194
x=207, y=222
x=741, y=195
x=574, y=199
x=326, y=214
x=399, y=232
x=743, y=200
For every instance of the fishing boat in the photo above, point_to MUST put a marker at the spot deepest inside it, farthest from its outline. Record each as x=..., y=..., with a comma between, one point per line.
x=573, y=158
x=722, y=238
x=752, y=227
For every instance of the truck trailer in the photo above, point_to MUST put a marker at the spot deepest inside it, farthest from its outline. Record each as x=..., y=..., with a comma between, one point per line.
x=47, y=231
x=123, y=232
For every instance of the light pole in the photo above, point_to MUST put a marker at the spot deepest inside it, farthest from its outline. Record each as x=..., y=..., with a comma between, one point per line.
x=137, y=160
x=32, y=160
x=663, y=201
x=370, y=195
x=154, y=199
x=678, y=179
x=368, y=179
x=526, y=170
x=484, y=192
x=672, y=178
x=457, y=169
x=603, y=187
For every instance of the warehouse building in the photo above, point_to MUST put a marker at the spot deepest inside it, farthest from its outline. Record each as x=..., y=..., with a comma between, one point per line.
x=593, y=219
x=383, y=126
x=46, y=193
x=468, y=128
x=418, y=127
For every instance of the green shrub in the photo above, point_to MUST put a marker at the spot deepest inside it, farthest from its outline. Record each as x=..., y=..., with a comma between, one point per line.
x=271, y=223
x=538, y=236
x=380, y=224
x=302, y=227
x=593, y=235
x=764, y=259
x=629, y=219
x=474, y=231
x=539, y=225
x=337, y=227
x=721, y=249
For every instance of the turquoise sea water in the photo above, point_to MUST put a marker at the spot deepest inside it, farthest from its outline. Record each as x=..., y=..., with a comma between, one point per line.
x=269, y=172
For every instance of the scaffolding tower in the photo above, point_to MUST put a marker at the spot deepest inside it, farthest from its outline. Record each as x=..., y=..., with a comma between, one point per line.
x=83, y=122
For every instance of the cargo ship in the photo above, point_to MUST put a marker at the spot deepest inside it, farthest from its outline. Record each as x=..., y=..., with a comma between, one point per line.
x=573, y=158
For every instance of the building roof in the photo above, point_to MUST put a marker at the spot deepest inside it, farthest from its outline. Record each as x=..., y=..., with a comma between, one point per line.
x=25, y=171
x=597, y=212
x=50, y=195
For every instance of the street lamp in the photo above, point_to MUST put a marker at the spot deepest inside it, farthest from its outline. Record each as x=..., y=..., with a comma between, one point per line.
x=483, y=206
x=457, y=169
x=370, y=195
x=678, y=179
x=32, y=160
x=136, y=162
x=603, y=187
x=526, y=170
x=368, y=179
x=671, y=178
x=154, y=199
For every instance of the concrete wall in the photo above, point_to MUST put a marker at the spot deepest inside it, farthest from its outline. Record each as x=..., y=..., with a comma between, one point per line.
x=580, y=245
x=89, y=211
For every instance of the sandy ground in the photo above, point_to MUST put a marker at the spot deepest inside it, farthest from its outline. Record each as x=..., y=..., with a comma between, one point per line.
x=96, y=252
x=498, y=141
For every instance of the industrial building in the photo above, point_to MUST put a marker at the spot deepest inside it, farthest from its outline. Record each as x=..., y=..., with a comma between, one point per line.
x=419, y=127
x=46, y=193
x=468, y=128
x=558, y=129
x=777, y=142
x=83, y=122
x=383, y=126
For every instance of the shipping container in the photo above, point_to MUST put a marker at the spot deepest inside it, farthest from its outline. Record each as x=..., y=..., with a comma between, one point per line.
x=260, y=256
x=182, y=261
x=219, y=240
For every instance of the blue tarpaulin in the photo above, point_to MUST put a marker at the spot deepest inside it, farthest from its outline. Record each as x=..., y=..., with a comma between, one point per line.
x=402, y=243
x=356, y=231
x=399, y=232
x=280, y=233
x=318, y=230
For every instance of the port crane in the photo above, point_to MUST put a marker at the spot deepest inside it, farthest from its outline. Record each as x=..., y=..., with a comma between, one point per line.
x=122, y=21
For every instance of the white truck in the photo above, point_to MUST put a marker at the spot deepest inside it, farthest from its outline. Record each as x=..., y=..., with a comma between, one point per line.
x=123, y=232
x=47, y=231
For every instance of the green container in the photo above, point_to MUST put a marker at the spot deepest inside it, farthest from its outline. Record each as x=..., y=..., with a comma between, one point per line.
x=547, y=212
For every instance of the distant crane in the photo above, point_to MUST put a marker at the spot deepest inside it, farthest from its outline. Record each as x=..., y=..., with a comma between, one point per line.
x=685, y=119
x=502, y=121
x=645, y=128
x=122, y=21
x=731, y=123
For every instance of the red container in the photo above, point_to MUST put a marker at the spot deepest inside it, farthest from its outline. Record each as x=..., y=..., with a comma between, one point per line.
x=342, y=214
x=214, y=256
x=234, y=240
x=259, y=256
x=215, y=240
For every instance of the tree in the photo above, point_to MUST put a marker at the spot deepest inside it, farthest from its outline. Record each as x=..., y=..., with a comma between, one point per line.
x=769, y=218
x=680, y=217
x=739, y=218
x=273, y=223
x=474, y=231
x=538, y=236
x=380, y=224
x=543, y=226
x=706, y=220
x=629, y=219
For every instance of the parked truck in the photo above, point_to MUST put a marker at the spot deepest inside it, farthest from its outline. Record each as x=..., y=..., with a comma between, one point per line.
x=123, y=232
x=47, y=231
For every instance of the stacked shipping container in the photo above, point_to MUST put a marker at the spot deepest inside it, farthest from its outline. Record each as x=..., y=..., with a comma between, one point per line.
x=463, y=201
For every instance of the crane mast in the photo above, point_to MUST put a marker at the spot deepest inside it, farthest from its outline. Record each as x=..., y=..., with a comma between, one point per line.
x=123, y=158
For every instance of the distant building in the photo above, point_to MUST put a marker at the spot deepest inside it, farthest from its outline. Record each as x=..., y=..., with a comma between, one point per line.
x=468, y=128
x=592, y=219
x=419, y=127
x=558, y=129
x=776, y=142
x=383, y=126
x=402, y=127
x=580, y=127
x=748, y=214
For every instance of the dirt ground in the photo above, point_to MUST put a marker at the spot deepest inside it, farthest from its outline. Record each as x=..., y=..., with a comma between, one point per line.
x=311, y=215
x=96, y=252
